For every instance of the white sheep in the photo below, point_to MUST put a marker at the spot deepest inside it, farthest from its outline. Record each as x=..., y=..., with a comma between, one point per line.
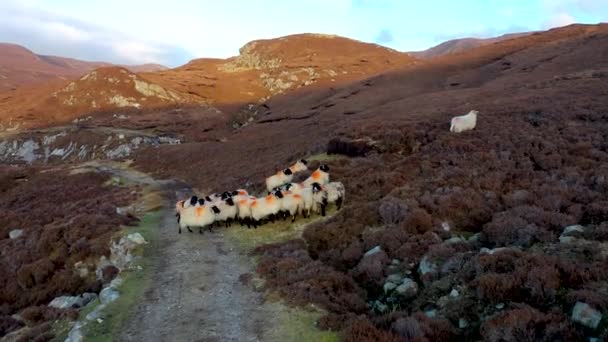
x=265, y=207
x=197, y=216
x=243, y=203
x=307, y=196
x=299, y=166
x=228, y=211
x=286, y=175
x=320, y=175
x=335, y=193
x=464, y=122
x=279, y=179
x=292, y=204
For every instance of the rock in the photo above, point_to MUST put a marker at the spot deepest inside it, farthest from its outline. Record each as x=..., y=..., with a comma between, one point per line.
x=137, y=238
x=82, y=269
x=372, y=251
x=121, y=211
x=443, y=301
x=567, y=239
x=445, y=226
x=586, y=315
x=574, y=230
x=431, y=313
x=88, y=297
x=492, y=251
x=454, y=293
x=15, y=233
x=395, y=262
x=427, y=270
x=394, y=278
x=66, y=302
x=455, y=239
x=108, y=295
x=96, y=313
x=475, y=237
x=408, y=289
x=500, y=306
x=381, y=307
x=116, y=282
x=389, y=287
x=75, y=335
x=463, y=323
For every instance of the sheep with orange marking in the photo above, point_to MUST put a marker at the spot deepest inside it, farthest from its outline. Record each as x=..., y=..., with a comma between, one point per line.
x=265, y=208
x=200, y=215
x=292, y=204
x=307, y=196
x=286, y=175
x=320, y=175
x=464, y=122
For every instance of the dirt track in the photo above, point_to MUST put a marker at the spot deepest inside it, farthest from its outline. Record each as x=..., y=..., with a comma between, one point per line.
x=196, y=294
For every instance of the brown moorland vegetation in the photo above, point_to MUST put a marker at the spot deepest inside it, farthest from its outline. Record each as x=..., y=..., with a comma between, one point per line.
x=63, y=222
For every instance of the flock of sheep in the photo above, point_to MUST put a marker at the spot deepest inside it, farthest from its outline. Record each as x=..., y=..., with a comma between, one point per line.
x=284, y=199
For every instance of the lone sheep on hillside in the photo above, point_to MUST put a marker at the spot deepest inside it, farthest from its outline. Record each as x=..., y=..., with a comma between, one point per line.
x=464, y=122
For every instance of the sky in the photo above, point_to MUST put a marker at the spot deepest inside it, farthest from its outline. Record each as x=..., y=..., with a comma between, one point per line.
x=173, y=32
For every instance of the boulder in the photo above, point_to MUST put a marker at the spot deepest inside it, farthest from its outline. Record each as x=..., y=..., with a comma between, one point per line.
x=408, y=289
x=586, y=315
x=373, y=251
x=108, y=295
x=136, y=238
x=66, y=302
x=15, y=233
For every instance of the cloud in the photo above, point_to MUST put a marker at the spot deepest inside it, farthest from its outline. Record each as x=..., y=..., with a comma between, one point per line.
x=384, y=36
x=49, y=33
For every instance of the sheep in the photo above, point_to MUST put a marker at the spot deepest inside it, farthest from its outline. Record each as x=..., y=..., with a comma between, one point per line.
x=228, y=211
x=199, y=216
x=307, y=196
x=243, y=204
x=320, y=176
x=291, y=204
x=464, y=122
x=279, y=179
x=333, y=192
x=299, y=166
x=265, y=207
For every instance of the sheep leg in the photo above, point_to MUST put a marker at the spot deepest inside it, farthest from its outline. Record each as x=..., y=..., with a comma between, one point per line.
x=190, y=230
x=200, y=230
x=323, y=210
x=179, y=229
x=339, y=203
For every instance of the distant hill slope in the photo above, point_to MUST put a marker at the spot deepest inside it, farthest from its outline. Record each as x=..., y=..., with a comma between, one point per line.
x=461, y=45
x=263, y=69
x=20, y=66
x=268, y=67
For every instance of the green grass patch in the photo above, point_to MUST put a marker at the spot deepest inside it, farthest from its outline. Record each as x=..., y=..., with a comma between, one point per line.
x=279, y=231
x=298, y=324
x=294, y=324
x=135, y=282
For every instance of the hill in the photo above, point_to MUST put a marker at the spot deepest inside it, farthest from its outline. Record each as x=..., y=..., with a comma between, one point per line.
x=20, y=66
x=263, y=69
x=461, y=45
